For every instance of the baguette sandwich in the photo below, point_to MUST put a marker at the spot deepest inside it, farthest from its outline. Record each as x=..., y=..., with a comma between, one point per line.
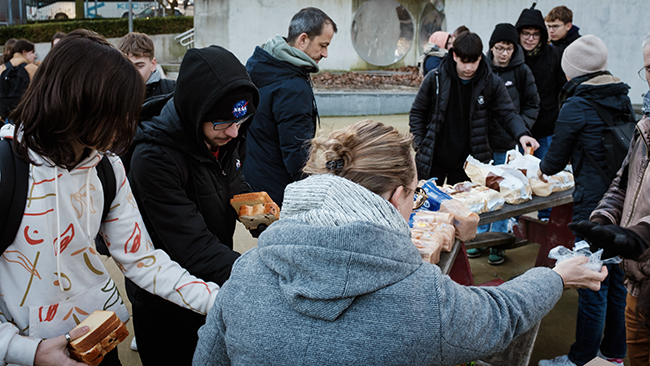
x=106, y=331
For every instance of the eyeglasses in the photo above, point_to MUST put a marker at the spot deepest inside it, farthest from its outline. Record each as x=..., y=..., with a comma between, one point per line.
x=224, y=125
x=527, y=35
x=419, y=198
x=502, y=50
x=554, y=26
x=643, y=72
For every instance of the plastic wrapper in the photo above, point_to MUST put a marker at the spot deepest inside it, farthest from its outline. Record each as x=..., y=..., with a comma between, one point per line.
x=529, y=165
x=581, y=248
x=477, y=198
x=431, y=216
x=443, y=233
x=511, y=183
x=465, y=221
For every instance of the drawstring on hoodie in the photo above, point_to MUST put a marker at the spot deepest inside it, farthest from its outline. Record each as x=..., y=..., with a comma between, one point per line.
x=58, y=220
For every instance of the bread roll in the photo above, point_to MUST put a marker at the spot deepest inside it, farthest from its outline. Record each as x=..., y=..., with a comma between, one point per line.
x=106, y=331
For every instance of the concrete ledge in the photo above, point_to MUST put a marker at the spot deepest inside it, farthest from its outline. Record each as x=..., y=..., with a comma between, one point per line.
x=332, y=103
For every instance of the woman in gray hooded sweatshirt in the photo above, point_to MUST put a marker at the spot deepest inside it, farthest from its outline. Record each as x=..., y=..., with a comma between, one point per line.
x=337, y=280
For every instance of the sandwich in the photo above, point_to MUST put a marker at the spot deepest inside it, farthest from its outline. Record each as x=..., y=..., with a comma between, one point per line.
x=106, y=331
x=255, y=209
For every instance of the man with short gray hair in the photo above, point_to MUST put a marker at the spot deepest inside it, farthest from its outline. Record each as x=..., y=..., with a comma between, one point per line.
x=286, y=117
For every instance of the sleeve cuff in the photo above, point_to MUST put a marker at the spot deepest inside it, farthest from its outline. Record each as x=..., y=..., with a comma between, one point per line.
x=22, y=350
x=600, y=219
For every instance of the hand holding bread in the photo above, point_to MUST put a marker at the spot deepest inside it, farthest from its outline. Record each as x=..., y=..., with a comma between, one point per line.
x=52, y=351
x=106, y=332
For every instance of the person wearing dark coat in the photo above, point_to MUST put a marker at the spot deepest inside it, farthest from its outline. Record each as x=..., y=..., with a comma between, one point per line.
x=544, y=61
x=561, y=30
x=277, y=145
x=185, y=168
x=506, y=59
x=579, y=129
x=449, y=117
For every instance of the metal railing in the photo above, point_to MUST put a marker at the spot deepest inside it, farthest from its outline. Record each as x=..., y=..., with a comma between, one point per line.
x=186, y=39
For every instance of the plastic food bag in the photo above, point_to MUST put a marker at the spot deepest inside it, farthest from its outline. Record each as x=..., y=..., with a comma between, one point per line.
x=465, y=221
x=477, y=198
x=581, y=248
x=529, y=165
x=511, y=183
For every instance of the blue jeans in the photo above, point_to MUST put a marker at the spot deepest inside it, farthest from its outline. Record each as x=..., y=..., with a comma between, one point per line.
x=499, y=226
x=544, y=144
x=600, y=311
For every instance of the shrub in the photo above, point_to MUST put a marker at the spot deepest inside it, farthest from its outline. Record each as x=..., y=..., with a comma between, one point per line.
x=109, y=28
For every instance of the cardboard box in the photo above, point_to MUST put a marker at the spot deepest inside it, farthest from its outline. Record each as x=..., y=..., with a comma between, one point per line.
x=598, y=362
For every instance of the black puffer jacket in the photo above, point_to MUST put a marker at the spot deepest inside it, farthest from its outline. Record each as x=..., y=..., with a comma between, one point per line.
x=526, y=101
x=489, y=96
x=547, y=71
x=182, y=190
x=579, y=125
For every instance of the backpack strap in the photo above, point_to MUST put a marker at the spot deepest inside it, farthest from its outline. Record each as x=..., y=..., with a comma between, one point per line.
x=13, y=193
x=585, y=154
x=106, y=176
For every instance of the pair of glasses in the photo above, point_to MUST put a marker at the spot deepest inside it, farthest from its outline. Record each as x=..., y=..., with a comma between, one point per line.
x=643, y=72
x=503, y=50
x=554, y=26
x=527, y=35
x=419, y=198
x=224, y=125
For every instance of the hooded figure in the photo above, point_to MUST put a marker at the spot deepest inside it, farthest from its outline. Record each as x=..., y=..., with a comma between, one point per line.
x=520, y=83
x=186, y=166
x=544, y=62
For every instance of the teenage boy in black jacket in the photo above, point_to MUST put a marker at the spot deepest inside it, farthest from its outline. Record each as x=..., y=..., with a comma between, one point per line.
x=450, y=115
x=185, y=168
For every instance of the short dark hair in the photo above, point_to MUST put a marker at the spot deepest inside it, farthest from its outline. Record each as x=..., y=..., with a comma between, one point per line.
x=310, y=21
x=460, y=30
x=137, y=44
x=468, y=47
x=561, y=13
x=22, y=45
x=85, y=91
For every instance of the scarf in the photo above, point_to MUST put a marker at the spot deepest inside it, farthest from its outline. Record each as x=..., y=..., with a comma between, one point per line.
x=280, y=49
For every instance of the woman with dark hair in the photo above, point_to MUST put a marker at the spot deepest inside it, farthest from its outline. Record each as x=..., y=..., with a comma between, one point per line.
x=7, y=52
x=24, y=52
x=338, y=281
x=84, y=101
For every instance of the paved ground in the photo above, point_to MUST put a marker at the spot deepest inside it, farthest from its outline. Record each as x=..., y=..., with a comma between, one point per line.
x=557, y=329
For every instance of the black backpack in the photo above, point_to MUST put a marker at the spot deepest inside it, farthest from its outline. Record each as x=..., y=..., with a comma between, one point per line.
x=14, y=80
x=616, y=139
x=14, y=180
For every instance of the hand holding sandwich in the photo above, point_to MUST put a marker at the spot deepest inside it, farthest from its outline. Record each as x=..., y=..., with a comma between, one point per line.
x=53, y=351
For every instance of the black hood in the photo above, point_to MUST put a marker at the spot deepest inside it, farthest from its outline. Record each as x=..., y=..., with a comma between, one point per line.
x=532, y=17
x=207, y=75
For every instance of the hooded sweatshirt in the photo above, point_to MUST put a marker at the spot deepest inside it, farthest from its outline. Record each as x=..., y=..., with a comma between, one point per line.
x=51, y=277
x=337, y=281
x=277, y=140
x=182, y=189
x=544, y=62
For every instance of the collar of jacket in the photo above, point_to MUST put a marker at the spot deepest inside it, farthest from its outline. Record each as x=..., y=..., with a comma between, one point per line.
x=570, y=87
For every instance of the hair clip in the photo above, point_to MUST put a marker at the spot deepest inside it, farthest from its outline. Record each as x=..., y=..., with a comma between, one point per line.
x=335, y=165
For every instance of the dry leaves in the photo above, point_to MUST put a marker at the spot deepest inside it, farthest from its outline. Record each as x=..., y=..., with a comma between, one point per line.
x=405, y=78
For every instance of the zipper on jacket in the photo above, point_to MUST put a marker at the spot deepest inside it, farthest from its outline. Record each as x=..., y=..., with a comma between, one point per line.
x=645, y=168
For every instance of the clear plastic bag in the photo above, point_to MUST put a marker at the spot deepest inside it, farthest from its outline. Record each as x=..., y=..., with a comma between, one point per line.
x=581, y=248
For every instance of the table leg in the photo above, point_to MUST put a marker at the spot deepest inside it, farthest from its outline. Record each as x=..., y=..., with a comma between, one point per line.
x=460, y=271
x=548, y=234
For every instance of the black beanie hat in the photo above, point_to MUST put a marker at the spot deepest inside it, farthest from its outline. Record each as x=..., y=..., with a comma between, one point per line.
x=237, y=104
x=504, y=32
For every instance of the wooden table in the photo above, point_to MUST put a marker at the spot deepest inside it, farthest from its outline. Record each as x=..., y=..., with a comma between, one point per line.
x=528, y=230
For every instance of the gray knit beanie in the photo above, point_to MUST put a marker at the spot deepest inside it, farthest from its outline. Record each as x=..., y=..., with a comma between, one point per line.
x=585, y=55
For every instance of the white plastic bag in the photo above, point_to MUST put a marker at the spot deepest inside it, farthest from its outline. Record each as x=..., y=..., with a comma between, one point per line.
x=581, y=248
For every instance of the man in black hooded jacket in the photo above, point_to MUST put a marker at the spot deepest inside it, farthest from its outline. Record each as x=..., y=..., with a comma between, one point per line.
x=185, y=168
x=450, y=115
